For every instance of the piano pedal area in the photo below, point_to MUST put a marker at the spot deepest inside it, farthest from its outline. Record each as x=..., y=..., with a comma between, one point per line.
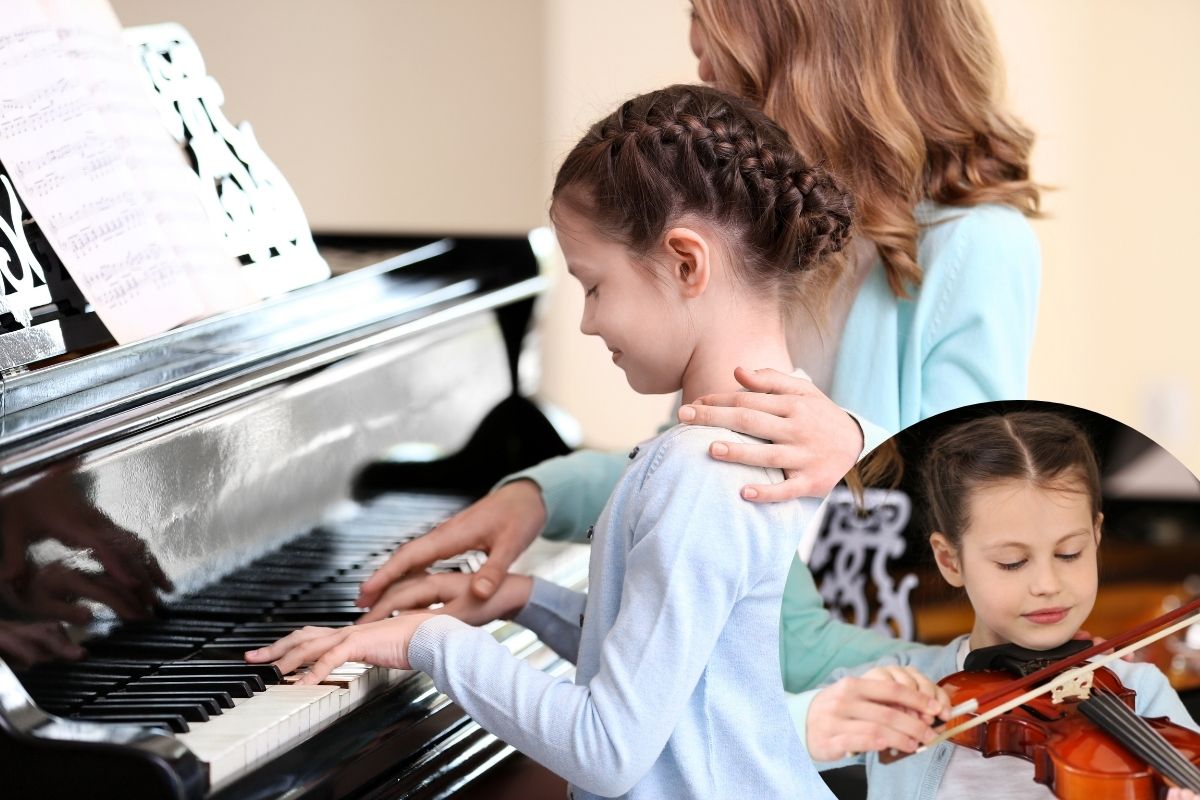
x=183, y=672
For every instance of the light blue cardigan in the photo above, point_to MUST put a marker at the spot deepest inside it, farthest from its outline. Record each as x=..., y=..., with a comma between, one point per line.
x=677, y=693
x=964, y=337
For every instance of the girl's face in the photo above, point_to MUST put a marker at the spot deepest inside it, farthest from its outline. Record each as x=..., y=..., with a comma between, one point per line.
x=640, y=319
x=1028, y=562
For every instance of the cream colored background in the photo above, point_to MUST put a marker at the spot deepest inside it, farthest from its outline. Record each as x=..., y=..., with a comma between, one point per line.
x=449, y=115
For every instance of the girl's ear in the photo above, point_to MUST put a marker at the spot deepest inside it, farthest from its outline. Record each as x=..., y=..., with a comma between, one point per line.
x=1097, y=526
x=946, y=557
x=690, y=261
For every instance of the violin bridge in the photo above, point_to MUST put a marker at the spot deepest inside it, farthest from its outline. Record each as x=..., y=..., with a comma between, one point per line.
x=1074, y=684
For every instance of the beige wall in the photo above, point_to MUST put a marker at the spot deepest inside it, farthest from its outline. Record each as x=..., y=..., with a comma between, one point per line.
x=450, y=114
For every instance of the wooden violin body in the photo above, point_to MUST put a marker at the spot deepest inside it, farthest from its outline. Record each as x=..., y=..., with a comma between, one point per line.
x=1071, y=754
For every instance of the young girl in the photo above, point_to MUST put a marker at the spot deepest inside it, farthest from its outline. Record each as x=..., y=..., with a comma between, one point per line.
x=1014, y=501
x=690, y=222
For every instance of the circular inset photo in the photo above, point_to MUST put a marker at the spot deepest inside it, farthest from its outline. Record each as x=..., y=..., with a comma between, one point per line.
x=1011, y=602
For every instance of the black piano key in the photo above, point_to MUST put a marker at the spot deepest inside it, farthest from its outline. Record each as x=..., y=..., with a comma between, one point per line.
x=69, y=680
x=212, y=704
x=242, y=688
x=218, y=700
x=173, y=722
x=161, y=650
x=192, y=712
x=268, y=673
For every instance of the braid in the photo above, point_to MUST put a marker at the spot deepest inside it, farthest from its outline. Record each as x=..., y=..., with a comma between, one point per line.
x=695, y=151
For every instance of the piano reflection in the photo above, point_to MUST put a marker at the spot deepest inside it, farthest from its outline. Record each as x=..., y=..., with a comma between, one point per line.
x=169, y=503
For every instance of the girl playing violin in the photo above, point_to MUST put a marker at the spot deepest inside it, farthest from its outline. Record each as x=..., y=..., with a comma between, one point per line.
x=690, y=223
x=1014, y=504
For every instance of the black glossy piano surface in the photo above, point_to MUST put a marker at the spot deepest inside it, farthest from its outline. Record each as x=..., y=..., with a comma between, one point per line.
x=183, y=500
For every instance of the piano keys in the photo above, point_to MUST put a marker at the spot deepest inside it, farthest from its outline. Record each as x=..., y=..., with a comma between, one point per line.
x=225, y=460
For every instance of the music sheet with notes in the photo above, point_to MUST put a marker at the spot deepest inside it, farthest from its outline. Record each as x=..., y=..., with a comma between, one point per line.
x=94, y=163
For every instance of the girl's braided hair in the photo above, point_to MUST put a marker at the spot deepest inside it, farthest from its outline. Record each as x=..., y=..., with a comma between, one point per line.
x=697, y=152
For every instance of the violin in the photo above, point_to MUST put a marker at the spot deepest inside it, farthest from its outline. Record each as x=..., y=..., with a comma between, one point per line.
x=1077, y=726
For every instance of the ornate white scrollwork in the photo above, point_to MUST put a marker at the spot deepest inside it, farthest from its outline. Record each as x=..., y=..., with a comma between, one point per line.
x=244, y=193
x=23, y=282
x=850, y=558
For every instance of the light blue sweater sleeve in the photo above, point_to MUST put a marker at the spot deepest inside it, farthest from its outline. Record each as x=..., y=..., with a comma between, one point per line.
x=689, y=564
x=553, y=613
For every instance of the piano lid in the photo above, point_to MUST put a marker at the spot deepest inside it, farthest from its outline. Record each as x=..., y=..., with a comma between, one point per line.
x=431, y=282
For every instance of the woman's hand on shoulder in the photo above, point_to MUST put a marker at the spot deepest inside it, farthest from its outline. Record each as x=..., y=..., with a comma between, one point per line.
x=889, y=707
x=813, y=441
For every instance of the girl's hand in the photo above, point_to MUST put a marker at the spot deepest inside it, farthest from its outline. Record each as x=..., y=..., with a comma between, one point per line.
x=502, y=524
x=454, y=591
x=383, y=643
x=1182, y=794
x=814, y=441
x=888, y=707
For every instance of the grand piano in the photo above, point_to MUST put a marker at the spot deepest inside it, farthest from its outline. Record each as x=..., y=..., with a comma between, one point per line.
x=220, y=484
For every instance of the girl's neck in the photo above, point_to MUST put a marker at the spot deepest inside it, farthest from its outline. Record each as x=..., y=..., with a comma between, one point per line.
x=755, y=341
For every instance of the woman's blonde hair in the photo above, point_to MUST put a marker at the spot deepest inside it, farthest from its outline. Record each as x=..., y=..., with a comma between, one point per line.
x=902, y=99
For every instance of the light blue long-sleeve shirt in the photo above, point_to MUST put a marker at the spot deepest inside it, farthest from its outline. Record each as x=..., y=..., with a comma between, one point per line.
x=677, y=691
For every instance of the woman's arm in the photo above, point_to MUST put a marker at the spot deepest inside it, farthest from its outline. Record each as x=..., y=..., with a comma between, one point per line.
x=812, y=644
x=574, y=488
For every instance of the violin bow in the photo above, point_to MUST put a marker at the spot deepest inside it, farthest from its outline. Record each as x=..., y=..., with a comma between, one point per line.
x=1128, y=642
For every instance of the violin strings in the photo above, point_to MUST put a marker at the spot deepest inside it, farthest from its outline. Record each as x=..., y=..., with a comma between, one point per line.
x=1113, y=716
x=1189, y=771
x=1142, y=738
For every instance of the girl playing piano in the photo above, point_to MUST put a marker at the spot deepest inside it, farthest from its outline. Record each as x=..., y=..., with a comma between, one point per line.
x=1014, y=503
x=691, y=224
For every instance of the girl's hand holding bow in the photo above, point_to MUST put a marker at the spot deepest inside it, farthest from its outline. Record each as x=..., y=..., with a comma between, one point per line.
x=812, y=440
x=888, y=707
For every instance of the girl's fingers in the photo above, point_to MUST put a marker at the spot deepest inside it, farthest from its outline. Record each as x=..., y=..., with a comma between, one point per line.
x=777, y=456
x=448, y=539
x=772, y=381
x=327, y=663
x=896, y=694
x=795, y=487
x=420, y=592
x=310, y=652
x=779, y=405
x=751, y=422
x=274, y=651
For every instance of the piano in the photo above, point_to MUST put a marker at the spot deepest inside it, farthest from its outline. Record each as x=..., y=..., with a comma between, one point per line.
x=223, y=484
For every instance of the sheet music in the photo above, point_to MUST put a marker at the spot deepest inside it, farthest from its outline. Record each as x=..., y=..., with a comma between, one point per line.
x=94, y=164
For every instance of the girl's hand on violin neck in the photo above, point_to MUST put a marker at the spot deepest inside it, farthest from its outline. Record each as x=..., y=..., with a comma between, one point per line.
x=1182, y=794
x=813, y=441
x=383, y=643
x=453, y=590
x=887, y=708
